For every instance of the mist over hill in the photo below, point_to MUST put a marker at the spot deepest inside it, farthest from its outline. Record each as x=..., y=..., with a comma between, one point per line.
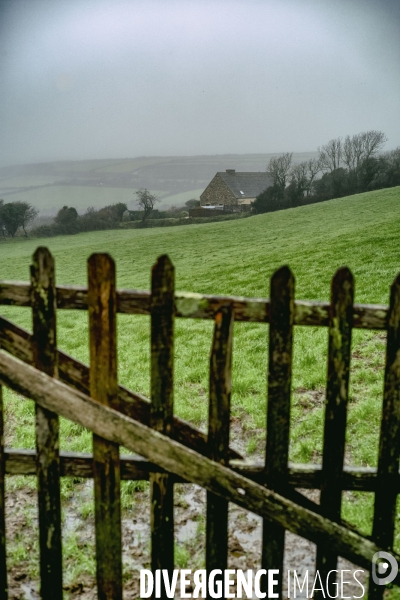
x=49, y=186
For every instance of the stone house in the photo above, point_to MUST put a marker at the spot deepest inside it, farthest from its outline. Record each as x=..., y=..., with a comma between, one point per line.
x=235, y=188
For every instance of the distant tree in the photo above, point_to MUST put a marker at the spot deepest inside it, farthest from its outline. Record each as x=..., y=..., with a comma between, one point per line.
x=268, y=201
x=28, y=214
x=330, y=155
x=279, y=167
x=299, y=183
x=2, y=229
x=14, y=215
x=313, y=168
x=113, y=212
x=67, y=219
x=389, y=172
x=146, y=202
x=302, y=177
x=294, y=194
x=192, y=203
x=360, y=154
x=332, y=185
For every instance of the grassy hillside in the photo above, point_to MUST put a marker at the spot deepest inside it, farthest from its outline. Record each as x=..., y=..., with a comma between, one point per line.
x=238, y=258
x=49, y=186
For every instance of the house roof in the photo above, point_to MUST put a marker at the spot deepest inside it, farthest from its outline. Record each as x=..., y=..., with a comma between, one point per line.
x=248, y=182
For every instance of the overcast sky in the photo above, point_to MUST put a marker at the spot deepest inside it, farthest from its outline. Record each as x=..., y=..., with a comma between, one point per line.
x=111, y=79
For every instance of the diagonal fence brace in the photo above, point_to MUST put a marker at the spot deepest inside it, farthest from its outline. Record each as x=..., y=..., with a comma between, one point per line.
x=184, y=462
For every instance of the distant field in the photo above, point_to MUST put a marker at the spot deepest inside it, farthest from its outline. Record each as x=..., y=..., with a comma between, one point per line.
x=51, y=199
x=181, y=198
x=238, y=257
x=97, y=183
x=22, y=181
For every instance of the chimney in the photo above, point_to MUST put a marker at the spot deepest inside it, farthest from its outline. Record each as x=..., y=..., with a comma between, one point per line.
x=230, y=171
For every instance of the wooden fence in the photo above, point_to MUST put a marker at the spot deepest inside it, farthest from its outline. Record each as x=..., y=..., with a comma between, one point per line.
x=172, y=450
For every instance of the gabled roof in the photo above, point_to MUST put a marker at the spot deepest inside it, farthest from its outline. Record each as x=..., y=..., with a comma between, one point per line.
x=248, y=182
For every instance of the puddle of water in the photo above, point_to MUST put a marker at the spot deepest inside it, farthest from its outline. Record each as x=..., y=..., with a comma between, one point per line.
x=139, y=531
x=29, y=592
x=187, y=531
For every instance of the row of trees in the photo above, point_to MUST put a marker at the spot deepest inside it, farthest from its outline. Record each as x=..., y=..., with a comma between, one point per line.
x=343, y=167
x=67, y=220
x=16, y=215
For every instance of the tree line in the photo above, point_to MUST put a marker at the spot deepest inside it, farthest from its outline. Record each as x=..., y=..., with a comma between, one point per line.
x=16, y=215
x=342, y=168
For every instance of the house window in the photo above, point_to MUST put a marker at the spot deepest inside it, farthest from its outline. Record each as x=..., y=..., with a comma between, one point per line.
x=242, y=192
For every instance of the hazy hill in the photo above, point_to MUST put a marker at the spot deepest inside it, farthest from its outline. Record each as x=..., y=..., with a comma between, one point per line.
x=49, y=186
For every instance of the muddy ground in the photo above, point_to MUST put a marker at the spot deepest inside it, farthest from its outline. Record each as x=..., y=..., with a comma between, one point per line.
x=245, y=533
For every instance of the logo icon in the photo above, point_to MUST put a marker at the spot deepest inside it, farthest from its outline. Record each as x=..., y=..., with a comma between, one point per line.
x=381, y=571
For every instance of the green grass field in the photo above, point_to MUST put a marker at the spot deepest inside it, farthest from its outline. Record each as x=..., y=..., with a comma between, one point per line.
x=238, y=258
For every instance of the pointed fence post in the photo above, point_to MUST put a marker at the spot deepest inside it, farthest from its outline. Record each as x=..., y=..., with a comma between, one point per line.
x=337, y=396
x=43, y=298
x=162, y=411
x=218, y=435
x=389, y=443
x=104, y=389
x=278, y=412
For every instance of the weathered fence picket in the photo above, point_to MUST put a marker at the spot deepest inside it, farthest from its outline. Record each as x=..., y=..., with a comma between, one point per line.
x=389, y=443
x=104, y=389
x=47, y=426
x=278, y=410
x=162, y=412
x=218, y=435
x=172, y=451
x=337, y=396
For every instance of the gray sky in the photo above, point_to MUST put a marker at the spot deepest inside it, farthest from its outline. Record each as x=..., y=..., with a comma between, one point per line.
x=111, y=79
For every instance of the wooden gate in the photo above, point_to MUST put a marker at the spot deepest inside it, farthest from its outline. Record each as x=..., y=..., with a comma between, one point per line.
x=172, y=450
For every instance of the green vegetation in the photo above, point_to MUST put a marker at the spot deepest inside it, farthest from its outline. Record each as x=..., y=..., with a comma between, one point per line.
x=238, y=258
x=352, y=166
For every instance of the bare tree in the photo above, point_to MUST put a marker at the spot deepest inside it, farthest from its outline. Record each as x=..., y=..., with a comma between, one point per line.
x=313, y=168
x=360, y=157
x=303, y=175
x=299, y=176
x=331, y=155
x=279, y=167
x=361, y=147
x=146, y=202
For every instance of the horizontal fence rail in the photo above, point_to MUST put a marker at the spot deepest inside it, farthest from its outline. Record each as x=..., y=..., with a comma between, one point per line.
x=201, y=306
x=306, y=476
